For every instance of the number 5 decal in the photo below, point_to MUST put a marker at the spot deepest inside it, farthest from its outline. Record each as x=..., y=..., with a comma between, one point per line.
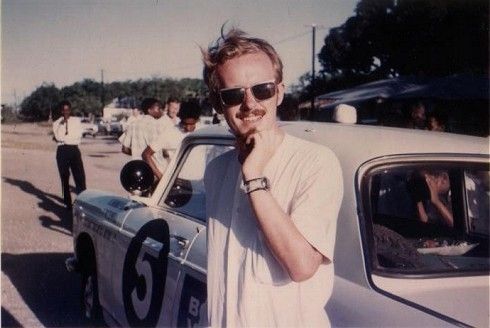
x=144, y=274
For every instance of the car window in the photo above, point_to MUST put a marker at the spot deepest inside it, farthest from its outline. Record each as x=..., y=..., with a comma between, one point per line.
x=478, y=196
x=187, y=196
x=430, y=218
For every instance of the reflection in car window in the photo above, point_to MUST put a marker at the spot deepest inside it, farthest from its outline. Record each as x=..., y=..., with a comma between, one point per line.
x=478, y=195
x=402, y=241
x=187, y=194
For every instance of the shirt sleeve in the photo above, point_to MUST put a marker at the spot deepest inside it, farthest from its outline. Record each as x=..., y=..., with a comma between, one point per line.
x=126, y=141
x=57, y=127
x=317, y=202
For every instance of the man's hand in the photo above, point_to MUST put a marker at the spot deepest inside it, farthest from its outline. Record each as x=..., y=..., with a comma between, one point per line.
x=432, y=183
x=256, y=150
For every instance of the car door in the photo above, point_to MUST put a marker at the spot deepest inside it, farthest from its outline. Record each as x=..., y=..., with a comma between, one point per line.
x=418, y=257
x=183, y=204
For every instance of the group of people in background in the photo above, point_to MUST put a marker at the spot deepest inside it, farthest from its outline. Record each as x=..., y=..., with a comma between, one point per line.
x=155, y=135
x=419, y=119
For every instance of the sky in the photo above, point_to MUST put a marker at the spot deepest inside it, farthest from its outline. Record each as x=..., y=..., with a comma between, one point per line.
x=65, y=41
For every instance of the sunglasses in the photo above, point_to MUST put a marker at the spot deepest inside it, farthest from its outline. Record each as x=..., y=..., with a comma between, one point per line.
x=234, y=96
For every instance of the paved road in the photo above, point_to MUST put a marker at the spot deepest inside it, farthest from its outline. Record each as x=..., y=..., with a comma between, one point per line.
x=37, y=291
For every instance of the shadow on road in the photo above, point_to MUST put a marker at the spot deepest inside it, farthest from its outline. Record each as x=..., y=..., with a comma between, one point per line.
x=48, y=202
x=49, y=291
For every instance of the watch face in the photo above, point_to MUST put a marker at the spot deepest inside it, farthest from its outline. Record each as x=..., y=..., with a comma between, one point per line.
x=260, y=183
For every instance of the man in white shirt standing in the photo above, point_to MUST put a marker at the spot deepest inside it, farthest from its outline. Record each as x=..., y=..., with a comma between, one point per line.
x=144, y=130
x=170, y=138
x=68, y=134
x=271, y=204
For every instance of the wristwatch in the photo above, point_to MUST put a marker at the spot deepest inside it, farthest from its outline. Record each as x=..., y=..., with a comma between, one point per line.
x=256, y=184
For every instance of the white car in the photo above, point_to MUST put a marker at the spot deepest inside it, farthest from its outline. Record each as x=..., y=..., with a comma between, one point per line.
x=88, y=128
x=143, y=259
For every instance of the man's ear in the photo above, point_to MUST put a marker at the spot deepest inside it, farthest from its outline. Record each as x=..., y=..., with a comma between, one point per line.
x=280, y=93
x=215, y=102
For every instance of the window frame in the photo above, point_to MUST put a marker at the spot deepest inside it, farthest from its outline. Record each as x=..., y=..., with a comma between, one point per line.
x=187, y=145
x=363, y=188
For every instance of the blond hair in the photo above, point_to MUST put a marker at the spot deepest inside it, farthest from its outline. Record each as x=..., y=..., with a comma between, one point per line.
x=233, y=44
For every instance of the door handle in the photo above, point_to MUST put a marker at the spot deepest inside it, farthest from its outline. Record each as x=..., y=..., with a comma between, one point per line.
x=183, y=242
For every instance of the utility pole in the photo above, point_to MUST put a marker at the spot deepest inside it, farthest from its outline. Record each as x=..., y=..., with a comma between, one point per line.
x=313, y=59
x=102, y=91
x=313, y=33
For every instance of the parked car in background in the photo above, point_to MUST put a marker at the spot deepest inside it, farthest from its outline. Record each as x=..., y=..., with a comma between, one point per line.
x=143, y=259
x=109, y=126
x=89, y=128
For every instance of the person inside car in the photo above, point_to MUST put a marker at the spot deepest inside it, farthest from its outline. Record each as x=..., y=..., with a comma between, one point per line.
x=431, y=192
x=271, y=208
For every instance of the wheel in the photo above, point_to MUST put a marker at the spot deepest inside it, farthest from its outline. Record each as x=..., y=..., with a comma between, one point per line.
x=90, y=305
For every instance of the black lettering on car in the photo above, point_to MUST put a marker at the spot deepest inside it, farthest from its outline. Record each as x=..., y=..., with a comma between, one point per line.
x=193, y=297
x=144, y=274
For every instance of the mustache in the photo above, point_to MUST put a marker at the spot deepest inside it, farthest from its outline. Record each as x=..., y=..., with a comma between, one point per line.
x=254, y=112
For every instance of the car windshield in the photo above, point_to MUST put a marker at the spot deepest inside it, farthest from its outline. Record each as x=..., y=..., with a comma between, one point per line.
x=430, y=218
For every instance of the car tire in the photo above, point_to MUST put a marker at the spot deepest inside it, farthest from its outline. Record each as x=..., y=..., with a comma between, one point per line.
x=89, y=296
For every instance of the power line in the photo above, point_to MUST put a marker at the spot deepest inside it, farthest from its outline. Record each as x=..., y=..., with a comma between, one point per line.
x=291, y=37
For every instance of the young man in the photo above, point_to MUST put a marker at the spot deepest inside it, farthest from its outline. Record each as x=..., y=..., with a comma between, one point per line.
x=437, y=121
x=171, y=115
x=272, y=203
x=169, y=139
x=68, y=134
x=416, y=119
x=144, y=130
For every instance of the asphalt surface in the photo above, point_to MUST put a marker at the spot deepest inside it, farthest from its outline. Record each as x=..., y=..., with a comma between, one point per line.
x=37, y=291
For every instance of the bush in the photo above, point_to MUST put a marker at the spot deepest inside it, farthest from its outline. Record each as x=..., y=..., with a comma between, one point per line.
x=9, y=115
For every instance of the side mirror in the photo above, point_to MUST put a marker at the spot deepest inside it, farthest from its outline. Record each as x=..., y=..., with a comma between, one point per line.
x=136, y=177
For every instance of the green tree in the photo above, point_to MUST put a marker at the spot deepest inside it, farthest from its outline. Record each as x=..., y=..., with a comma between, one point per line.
x=387, y=38
x=84, y=97
x=39, y=104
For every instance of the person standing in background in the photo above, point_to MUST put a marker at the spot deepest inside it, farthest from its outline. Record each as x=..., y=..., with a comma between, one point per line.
x=437, y=121
x=170, y=117
x=416, y=116
x=169, y=140
x=144, y=130
x=68, y=134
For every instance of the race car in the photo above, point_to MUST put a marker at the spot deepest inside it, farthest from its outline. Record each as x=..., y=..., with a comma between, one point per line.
x=142, y=259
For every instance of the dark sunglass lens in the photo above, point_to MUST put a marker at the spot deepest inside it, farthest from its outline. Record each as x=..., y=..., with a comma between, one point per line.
x=232, y=97
x=264, y=91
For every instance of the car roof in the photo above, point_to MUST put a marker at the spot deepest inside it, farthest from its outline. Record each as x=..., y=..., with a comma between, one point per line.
x=362, y=142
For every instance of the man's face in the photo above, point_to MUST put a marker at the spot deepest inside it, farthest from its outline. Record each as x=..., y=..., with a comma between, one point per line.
x=65, y=111
x=251, y=115
x=418, y=116
x=434, y=125
x=155, y=111
x=443, y=183
x=188, y=124
x=173, y=109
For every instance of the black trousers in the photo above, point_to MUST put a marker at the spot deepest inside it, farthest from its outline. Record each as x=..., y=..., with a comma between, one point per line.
x=68, y=157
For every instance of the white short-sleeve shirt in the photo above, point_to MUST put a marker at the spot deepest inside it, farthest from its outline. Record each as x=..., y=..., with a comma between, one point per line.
x=246, y=284
x=140, y=134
